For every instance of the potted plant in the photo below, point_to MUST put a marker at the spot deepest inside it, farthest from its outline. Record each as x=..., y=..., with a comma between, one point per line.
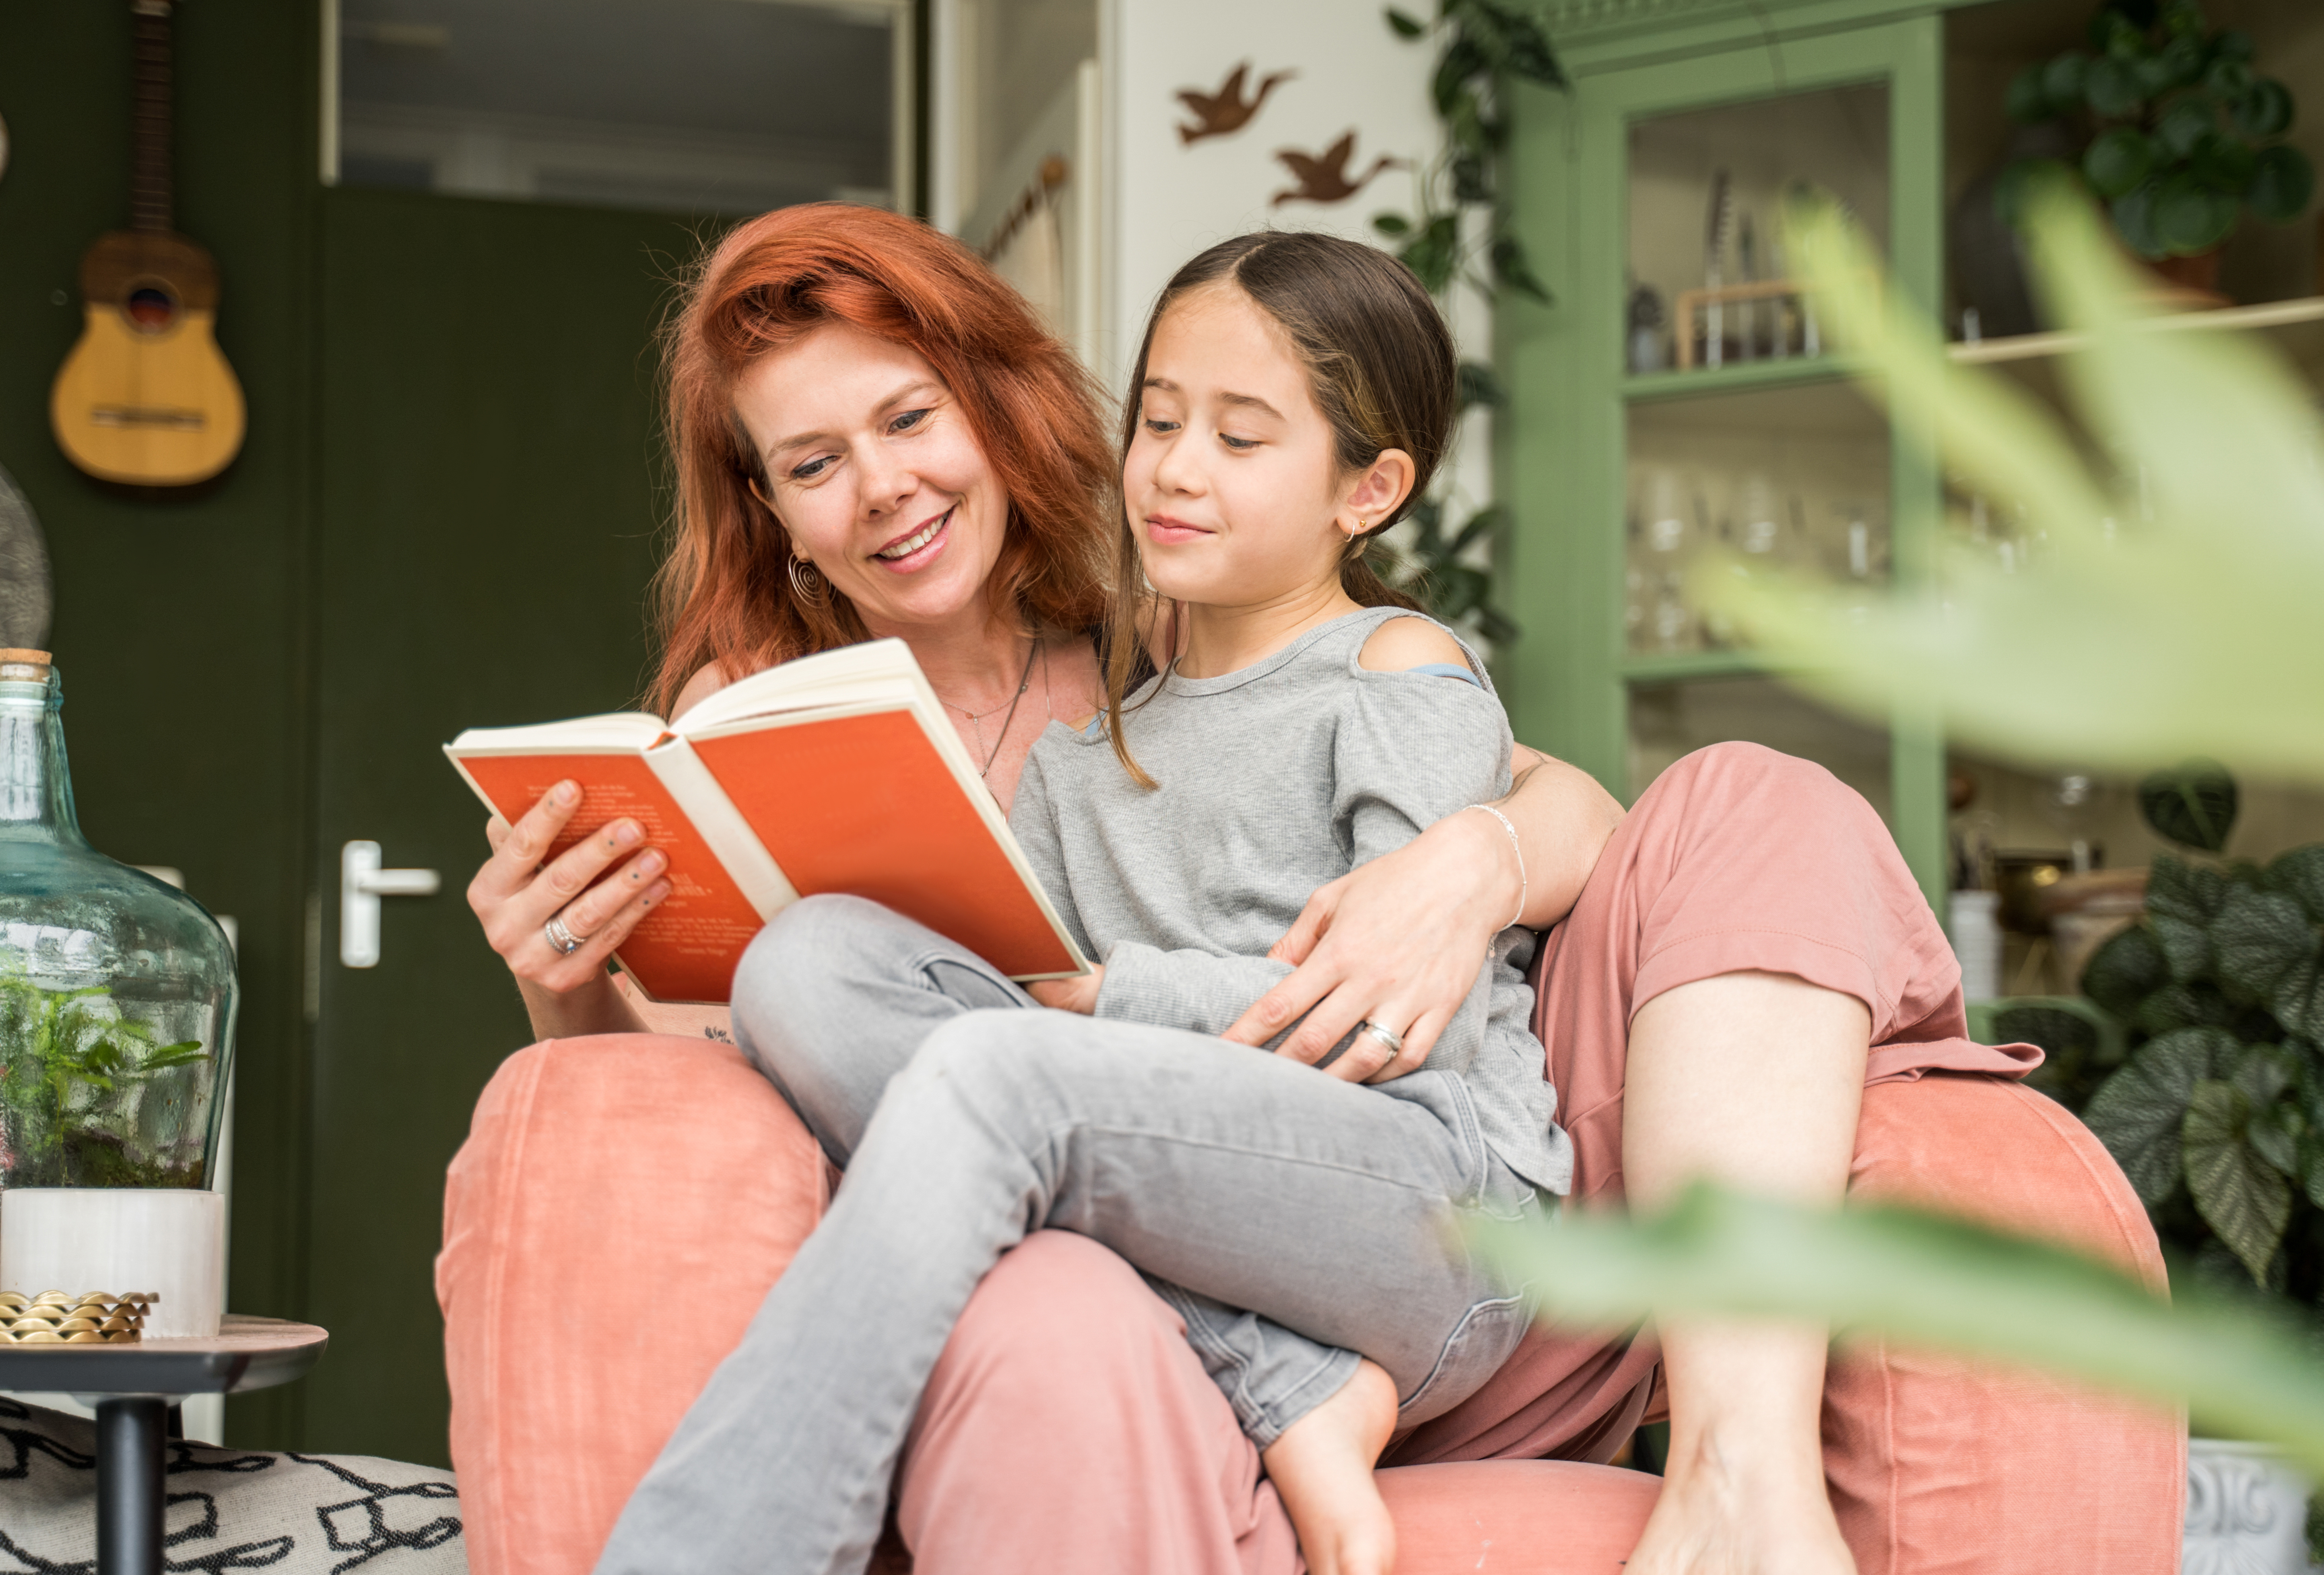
x=2178, y=133
x=117, y=999
x=2216, y=1115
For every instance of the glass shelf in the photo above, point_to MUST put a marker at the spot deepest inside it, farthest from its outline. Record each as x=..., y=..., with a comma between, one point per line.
x=1696, y=382
x=1709, y=286
x=1788, y=478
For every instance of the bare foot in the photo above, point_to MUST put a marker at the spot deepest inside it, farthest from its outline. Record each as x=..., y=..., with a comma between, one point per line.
x=1718, y=1516
x=1322, y=1466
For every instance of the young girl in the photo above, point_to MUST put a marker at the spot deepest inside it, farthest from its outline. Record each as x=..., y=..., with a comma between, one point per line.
x=1294, y=394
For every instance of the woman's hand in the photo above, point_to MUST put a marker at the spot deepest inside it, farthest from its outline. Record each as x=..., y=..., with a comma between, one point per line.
x=1398, y=941
x=515, y=896
x=1070, y=995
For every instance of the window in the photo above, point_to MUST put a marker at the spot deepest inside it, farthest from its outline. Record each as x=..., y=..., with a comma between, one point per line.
x=674, y=106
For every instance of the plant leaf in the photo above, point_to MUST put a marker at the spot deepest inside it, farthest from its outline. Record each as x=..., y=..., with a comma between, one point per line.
x=2184, y=125
x=2138, y=1111
x=2197, y=1004
x=2282, y=182
x=2262, y=110
x=2243, y=1198
x=2064, y=79
x=2224, y=164
x=2125, y=971
x=2193, y=804
x=2118, y=160
x=2299, y=1000
x=1479, y=386
x=1513, y=271
x=1434, y=252
x=2258, y=939
x=1391, y=224
x=1485, y=521
x=1926, y=1280
x=2299, y=875
x=2188, y=217
x=2109, y=86
x=2028, y=102
x=1405, y=24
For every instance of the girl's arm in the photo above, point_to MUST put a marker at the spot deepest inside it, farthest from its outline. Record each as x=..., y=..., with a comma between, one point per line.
x=1400, y=936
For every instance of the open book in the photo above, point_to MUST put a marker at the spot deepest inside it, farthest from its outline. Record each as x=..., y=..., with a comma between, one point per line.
x=837, y=772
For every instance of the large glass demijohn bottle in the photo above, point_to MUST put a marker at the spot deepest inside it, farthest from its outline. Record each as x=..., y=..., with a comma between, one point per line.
x=117, y=991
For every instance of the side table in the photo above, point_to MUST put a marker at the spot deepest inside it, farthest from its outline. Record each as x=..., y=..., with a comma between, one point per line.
x=133, y=1386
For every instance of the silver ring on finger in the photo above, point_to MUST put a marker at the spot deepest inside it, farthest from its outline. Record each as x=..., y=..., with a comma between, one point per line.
x=1387, y=1036
x=566, y=941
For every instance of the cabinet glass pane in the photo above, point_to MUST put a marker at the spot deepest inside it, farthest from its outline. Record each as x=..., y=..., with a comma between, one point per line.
x=1792, y=478
x=1668, y=719
x=1707, y=274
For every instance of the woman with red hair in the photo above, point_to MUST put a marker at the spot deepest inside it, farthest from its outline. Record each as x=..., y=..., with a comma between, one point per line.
x=874, y=436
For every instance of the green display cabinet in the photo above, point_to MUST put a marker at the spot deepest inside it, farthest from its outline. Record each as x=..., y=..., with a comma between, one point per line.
x=1678, y=394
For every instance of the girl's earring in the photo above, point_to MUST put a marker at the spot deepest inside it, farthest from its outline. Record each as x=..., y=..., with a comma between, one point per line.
x=807, y=583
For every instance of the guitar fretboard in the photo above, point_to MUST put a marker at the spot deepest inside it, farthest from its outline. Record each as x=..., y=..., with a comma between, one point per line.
x=149, y=179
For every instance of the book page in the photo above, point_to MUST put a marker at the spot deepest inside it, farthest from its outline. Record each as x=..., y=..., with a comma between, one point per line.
x=685, y=949
x=864, y=804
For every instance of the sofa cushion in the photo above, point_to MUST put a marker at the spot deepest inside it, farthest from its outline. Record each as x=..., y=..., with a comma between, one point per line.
x=1516, y=1518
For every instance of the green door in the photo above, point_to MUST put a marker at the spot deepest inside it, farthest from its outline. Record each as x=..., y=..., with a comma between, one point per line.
x=488, y=513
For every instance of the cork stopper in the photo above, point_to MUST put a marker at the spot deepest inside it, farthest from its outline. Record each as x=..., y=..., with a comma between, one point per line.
x=20, y=665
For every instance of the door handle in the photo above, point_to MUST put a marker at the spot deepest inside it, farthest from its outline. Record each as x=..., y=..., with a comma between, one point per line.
x=362, y=883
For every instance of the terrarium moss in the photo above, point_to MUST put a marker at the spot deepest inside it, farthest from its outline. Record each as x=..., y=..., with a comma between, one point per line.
x=67, y=1058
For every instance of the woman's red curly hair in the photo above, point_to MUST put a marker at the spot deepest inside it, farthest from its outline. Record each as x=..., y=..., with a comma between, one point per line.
x=725, y=593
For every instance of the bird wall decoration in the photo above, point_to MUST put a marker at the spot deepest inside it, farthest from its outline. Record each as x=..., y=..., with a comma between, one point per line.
x=1323, y=177
x=1216, y=114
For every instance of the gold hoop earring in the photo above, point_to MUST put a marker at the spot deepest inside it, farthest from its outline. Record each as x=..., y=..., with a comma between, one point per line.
x=807, y=583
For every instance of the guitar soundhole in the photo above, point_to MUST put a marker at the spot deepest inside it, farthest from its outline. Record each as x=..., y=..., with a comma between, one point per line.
x=151, y=309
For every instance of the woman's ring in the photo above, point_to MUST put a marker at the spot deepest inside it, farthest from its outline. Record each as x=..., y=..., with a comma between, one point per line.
x=1387, y=1036
x=566, y=941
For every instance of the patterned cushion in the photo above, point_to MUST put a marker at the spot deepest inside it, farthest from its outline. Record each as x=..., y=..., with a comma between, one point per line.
x=228, y=1509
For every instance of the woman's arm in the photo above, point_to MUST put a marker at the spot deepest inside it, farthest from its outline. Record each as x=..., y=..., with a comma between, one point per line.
x=1402, y=936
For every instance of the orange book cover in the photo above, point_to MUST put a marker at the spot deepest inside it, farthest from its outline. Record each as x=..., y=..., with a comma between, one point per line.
x=864, y=805
x=834, y=773
x=686, y=949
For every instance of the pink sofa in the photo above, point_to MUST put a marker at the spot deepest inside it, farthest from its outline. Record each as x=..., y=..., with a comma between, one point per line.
x=623, y=1202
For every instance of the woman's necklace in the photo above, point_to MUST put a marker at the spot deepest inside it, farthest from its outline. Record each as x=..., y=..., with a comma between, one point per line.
x=1024, y=682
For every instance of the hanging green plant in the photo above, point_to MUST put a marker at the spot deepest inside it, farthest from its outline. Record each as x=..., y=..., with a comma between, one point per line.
x=2179, y=134
x=1481, y=46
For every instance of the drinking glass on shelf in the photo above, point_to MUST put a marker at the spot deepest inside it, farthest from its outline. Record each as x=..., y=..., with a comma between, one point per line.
x=1667, y=510
x=1758, y=519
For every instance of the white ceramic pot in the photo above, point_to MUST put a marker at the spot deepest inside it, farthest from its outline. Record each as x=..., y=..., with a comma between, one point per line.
x=2247, y=1511
x=118, y=1240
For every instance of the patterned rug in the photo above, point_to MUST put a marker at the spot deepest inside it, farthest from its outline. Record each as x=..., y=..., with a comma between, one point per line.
x=228, y=1509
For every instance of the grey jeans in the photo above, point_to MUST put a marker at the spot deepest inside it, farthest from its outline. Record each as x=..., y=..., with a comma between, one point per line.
x=1293, y=1218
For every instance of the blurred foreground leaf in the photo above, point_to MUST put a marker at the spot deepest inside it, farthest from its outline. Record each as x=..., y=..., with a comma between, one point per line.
x=1929, y=1281
x=2170, y=604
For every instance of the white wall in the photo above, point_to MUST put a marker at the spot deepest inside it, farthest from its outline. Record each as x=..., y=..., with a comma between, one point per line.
x=1168, y=199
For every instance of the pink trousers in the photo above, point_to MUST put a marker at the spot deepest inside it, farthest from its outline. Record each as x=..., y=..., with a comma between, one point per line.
x=623, y=1202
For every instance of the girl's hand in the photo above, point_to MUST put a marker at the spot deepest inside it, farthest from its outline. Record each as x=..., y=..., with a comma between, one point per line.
x=515, y=896
x=1396, y=941
x=1069, y=995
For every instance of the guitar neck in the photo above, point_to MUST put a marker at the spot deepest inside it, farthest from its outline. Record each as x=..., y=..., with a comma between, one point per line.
x=151, y=205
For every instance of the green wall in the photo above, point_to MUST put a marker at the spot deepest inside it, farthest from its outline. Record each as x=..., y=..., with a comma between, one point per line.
x=180, y=626
x=445, y=515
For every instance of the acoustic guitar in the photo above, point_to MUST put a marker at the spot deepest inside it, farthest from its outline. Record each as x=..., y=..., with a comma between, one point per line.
x=146, y=397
